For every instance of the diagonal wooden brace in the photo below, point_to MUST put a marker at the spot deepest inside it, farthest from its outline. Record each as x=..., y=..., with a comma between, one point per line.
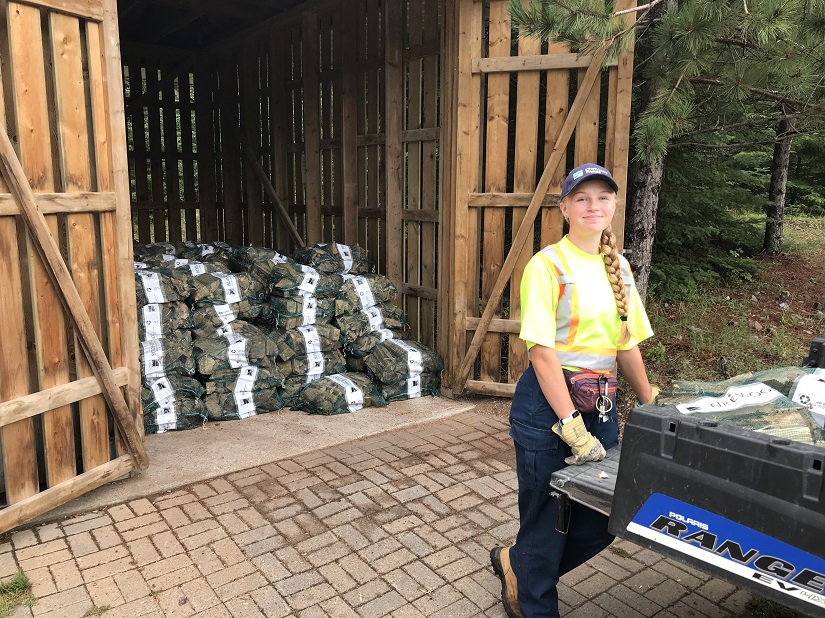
x=15, y=177
x=525, y=229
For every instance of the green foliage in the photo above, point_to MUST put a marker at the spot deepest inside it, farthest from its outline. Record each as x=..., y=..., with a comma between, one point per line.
x=15, y=591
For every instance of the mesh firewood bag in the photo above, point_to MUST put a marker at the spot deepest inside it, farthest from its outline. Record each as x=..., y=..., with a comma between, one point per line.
x=363, y=292
x=354, y=325
x=367, y=342
x=224, y=288
x=356, y=364
x=317, y=363
x=174, y=414
x=169, y=355
x=145, y=253
x=417, y=385
x=338, y=394
x=393, y=361
x=259, y=262
x=241, y=404
x=157, y=320
x=194, y=268
x=246, y=346
x=207, y=319
x=292, y=279
x=293, y=386
x=160, y=285
x=170, y=385
x=334, y=258
x=290, y=312
x=305, y=340
x=243, y=379
x=206, y=252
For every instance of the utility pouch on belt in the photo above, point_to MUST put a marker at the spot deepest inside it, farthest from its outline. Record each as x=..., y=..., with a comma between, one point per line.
x=591, y=392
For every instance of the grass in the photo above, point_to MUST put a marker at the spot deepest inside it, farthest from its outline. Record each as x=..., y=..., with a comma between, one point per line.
x=96, y=611
x=14, y=592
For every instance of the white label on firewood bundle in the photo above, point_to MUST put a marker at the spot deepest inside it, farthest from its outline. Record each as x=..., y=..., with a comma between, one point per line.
x=197, y=268
x=414, y=361
x=310, y=281
x=165, y=417
x=225, y=314
x=246, y=379
x=353, y=394
x=362, y=287
x=167, y=258
x=312, y=340
x=385, y=334
x=230, y=287
x=207, y=250
x=225, y=330
x=236, y=353
x=309, y=309
x=181, y=262
x=161, y=389
x=151, y=322
x=414, y=386
x=245, y=403
x=152, y=359
x=278, y=258
x=151, y=286
x=346, y=256
x=315, y=363
x=374, y=317
x=141, y=265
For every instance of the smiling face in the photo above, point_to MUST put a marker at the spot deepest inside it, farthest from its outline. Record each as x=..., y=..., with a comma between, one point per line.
x=589, y=208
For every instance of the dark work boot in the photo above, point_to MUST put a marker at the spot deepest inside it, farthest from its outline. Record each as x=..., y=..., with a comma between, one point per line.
x=500, y=559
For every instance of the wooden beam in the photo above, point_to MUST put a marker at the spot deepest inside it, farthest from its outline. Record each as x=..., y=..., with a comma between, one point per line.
x=54, y=397
x=310, y=59
x=50, y=253
x=494, y=389
x=526, y=227
x=420, y=291
x=270, y=191
x=85, y=9
x=349, y=124
x=62, y=203
x=509, y=64
x=394, y=113
x=498, y=325
x=33, y=506
x=426, y=134
x=510, y=200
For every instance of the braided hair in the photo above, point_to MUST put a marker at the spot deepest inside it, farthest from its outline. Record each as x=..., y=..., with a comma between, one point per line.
x=614, y=275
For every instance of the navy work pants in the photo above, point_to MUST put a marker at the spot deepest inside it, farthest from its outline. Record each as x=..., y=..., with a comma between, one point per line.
x=541, y=554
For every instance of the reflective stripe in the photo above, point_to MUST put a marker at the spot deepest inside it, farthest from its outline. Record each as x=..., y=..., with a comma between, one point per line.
x=595, y=362
x=566, y=323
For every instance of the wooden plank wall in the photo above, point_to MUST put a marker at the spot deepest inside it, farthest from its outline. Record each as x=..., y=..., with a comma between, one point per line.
x=55, y=427
x=509, y=98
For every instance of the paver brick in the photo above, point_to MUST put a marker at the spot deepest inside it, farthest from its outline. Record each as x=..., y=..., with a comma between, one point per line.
x=143, y=551
x=105, y=592
x=337, y=577
x=66, y=575
x=106, y=537
x=132, y=585
x=311, y=596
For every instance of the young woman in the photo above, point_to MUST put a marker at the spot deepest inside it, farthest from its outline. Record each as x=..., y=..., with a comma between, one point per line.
x=579, y=310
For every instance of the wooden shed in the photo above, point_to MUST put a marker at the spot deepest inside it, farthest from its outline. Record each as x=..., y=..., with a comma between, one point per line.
x=426, y=131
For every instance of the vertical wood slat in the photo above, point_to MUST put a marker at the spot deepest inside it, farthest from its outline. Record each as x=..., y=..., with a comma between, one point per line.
x=587, y=129
x=33, y=129
x=412, y=153
x=552, y=221
x=187, y=130
x=230, y=215
x=170, y=156
x=328, y=102
x=251, y=127
x=278, y=58
x=295, y=109
x=83, y=260
x=524, y=181
x=205, y=133
x=495, y=176
x=348, y=118
x=312, y=122
x=374, y=153
x=140, y=153
x=154, y=110
x=393, y=154
x=104, y=182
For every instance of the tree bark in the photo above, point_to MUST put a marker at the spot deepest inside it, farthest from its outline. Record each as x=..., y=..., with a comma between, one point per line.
x=775, y=210
x=641, y=225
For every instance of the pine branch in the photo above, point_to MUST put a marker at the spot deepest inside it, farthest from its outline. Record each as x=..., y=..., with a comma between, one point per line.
x=765, y=94
x=636, y=9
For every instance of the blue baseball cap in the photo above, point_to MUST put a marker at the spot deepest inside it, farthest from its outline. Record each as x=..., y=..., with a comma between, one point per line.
x=588, y=171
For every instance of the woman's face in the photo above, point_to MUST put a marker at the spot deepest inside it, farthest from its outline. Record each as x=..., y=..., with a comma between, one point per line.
x=589, y=207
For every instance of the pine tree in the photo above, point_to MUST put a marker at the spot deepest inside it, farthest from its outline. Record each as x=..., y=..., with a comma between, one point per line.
x=693, y=57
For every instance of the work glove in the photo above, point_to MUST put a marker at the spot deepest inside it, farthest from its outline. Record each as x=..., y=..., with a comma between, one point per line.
x=654, y=393
x=586, y=447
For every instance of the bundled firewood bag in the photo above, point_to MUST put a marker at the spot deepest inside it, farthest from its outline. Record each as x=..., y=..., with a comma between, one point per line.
x=157, y=320
x=293, y=386
x=207, y=319
x=206, y=252
x=259, y=262
x=244, y=379
x=304, y=340
x=160, y=285
x=246, y=346
x=169, y=355
x=157, y=392
x=174, y=414
x=385, y=315
x=144, y=253
x=241, y=404
x=334, y=258
x=357, y=364
x=338, y=394
x=363, y=292
x=291, y=312
x=417, y=385
x=365, y=343
x=293, y=279
x=194, y=268
x=224, y=288
x=394, y=361
x=317, y=363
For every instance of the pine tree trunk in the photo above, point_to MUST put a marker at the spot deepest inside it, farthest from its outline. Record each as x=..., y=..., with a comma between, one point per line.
x=641, y=225
x=776, y=192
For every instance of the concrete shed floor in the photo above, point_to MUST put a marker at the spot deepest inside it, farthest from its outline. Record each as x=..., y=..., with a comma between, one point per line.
x=180, y=458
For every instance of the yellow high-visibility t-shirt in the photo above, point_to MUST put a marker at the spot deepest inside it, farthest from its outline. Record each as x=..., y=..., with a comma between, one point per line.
x=595, y=325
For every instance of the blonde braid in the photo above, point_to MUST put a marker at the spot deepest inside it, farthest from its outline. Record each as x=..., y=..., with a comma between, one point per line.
x=614, y=275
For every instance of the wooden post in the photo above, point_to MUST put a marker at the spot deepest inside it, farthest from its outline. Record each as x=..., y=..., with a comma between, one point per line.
x=312, y=126
x=394, y=110
x=349, y=122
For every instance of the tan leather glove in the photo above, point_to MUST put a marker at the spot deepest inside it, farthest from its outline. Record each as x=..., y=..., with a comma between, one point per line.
x=586, y=447
x=654, y=393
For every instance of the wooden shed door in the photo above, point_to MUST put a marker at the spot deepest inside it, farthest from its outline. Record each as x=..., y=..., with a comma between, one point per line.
x=70, y=414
